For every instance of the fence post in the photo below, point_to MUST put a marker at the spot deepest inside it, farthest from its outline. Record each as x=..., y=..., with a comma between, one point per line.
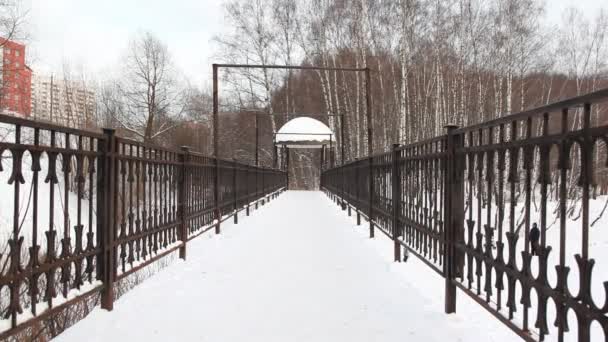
x=396, y=199
x=106, y=180
x=454, y=215
x=216, y=196
x=287, y=168
x=183, y=196
x=247, y=188
x=371, y=196
x=257, y=192
x=234, y=191
x=263, y=195
x=342, y=188
x=357, y=195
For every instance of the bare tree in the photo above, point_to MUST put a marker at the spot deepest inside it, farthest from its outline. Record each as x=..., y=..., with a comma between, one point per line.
x=12, y=28
x=12, y=20
x=148, y=89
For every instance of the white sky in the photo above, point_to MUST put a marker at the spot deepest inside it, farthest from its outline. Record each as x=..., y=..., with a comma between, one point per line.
x=93, y=34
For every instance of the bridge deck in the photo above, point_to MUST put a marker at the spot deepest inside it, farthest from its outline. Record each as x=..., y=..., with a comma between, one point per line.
x=296, y=270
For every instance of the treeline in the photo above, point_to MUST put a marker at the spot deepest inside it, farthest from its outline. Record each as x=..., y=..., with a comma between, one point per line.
x=433, y=62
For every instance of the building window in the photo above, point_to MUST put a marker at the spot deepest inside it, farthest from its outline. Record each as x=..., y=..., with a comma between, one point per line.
x=17, y=53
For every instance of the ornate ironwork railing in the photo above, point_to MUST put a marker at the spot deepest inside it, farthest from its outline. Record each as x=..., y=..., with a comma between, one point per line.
x=502, y=210
x=92, y=208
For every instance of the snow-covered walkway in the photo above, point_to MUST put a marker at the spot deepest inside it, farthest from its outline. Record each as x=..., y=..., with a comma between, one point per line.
x=298, y=269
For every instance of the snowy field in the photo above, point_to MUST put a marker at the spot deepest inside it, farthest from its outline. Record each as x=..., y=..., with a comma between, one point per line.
x=296, y=270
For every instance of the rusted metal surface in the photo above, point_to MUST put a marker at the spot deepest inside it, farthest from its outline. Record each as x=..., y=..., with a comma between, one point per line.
x=464, y=202
x=111, y=207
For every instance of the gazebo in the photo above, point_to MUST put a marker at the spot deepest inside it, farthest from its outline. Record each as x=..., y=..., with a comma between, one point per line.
x=304, y=132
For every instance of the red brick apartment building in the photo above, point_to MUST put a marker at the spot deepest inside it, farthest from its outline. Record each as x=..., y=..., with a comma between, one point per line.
x=16, y=79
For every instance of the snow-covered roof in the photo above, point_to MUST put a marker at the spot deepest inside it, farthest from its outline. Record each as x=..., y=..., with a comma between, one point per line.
x=304, y=132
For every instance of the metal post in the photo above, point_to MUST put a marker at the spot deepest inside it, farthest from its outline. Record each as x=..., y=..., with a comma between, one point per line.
x=106, y=189
x=263, y=190
x=396, y=199
x=257, y=161
x=215, y=111
x=331, y=149
x=248, y=189
x=454, y=216
x=321, y=157
x=368, y=105
x=357, y=196
x=257, y=141
x=287, y=164
x=342, y=144
x=342, y=188
x=234, y=191
x=183, y=189
x=216, y=193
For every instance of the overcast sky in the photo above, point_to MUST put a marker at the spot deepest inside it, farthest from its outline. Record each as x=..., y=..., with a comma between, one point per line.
x=94, y=33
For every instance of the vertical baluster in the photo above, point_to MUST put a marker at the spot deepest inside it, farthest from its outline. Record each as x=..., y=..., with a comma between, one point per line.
x=34, y=250
x=512, y=237
x=479, y=234
x=51, y=234
x=90, y=234
x=544, y=178
x=130, y=215
x=528, y=167
x=145, y=211
x=138, y=181
x=585, y=265
x=123, y=201
x=488, y=228
x=561, y=320
x=66, y=246
x=16, y=241
x=78, y=229
x=501, y=209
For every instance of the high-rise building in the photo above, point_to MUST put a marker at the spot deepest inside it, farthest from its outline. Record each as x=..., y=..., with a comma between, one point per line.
x=66, y=102
x=15, y=80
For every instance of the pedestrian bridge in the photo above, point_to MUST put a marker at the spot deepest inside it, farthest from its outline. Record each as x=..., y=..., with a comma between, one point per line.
x=90, y=215
x=295, y=270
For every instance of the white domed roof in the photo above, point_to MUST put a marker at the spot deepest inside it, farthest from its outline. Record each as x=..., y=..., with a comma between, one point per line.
x=304, y=132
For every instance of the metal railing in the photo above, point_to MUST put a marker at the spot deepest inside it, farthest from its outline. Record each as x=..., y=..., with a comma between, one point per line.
x=463, y=204
x=92, y=208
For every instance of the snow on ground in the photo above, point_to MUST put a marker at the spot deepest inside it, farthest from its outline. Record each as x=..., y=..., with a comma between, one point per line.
x=297, y=270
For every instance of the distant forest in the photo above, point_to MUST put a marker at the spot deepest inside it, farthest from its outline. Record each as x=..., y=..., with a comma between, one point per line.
x=433, y=63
